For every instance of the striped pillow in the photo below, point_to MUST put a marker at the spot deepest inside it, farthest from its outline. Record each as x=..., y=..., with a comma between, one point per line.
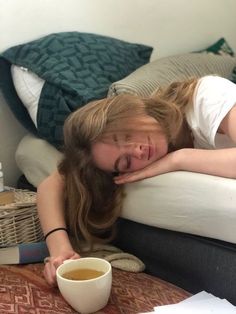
x=161, y=72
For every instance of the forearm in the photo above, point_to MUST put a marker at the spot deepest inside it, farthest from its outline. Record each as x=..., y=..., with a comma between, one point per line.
x=221, y=162
x=50, y=203
x=213, y=162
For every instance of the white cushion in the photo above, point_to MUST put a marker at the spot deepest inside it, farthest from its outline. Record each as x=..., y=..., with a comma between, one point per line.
x=187, y=202
x=28, y=86
x=36, y=158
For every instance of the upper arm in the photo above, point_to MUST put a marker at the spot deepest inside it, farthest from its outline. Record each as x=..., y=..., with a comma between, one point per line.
x=50, y=195
x=53, y=183
x=228, y=124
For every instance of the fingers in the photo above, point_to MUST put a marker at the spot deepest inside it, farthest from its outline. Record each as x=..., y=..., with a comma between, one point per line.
x=75, y=256
x=144, y=173
x=130, y=178
x=147, y=172
x=51, y=265
x=49, y=273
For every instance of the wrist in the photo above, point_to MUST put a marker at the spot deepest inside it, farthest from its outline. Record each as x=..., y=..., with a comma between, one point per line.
x=178, y=158
x=58, y=242
x=54, y=230
x=186, y=159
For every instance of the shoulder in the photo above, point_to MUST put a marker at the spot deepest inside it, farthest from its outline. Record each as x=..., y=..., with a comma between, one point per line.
x=214, y=82
x=214, y=90
x=213, y=99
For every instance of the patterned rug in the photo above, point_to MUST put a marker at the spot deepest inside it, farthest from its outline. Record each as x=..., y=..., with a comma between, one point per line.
x=23, y=290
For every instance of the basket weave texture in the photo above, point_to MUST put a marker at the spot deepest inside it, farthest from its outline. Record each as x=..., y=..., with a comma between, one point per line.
x=19, y=222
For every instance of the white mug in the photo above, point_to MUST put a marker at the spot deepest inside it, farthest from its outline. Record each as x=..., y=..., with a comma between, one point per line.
x=86, y=296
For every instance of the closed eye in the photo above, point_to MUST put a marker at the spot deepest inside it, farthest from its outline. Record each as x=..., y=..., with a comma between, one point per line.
x=122, y=163
x=128, y=160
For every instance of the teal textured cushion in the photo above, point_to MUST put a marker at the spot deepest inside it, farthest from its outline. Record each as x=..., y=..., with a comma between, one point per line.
x=220, y=47
x=233, y=76
x=77, y=68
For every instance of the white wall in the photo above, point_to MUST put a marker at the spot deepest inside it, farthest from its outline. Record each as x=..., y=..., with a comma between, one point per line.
x=170, y=26
x=10, y=134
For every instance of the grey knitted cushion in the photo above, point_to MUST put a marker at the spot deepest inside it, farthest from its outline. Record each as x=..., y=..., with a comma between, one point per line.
x=145, y=80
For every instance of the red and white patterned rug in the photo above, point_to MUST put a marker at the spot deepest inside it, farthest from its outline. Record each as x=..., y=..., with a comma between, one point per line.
x=23, y=290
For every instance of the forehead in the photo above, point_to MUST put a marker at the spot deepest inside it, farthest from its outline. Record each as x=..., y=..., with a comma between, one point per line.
x=133, y=123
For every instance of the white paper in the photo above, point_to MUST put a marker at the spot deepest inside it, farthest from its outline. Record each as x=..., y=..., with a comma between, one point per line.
x=200, y=303
x=203, y=295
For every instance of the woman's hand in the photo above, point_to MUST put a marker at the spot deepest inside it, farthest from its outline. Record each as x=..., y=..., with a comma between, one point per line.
x=51, y=264
x=216, y=162
x=166, y=164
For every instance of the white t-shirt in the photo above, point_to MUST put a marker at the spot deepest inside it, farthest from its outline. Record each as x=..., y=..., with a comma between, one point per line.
x=213, y=98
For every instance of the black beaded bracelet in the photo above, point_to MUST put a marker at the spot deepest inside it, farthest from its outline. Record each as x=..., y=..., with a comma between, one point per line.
x=53, y=230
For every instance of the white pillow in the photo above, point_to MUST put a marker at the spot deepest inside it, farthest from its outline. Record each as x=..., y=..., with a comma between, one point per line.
x=28, y=86
x=36, y=158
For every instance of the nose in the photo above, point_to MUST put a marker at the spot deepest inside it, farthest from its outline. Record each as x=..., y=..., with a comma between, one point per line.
x=140, y=151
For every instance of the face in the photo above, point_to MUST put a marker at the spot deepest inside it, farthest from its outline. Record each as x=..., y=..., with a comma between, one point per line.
x=129, y=152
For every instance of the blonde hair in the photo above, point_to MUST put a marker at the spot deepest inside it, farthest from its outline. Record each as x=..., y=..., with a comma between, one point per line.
x=93, y=201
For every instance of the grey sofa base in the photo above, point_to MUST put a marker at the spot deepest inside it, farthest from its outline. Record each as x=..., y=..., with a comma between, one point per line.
x=191, y=262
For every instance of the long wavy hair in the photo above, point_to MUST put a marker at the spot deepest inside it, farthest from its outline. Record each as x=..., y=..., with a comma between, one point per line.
x=93, y=201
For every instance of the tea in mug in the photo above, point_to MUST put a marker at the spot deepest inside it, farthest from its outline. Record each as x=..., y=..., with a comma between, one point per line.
x=82, y=274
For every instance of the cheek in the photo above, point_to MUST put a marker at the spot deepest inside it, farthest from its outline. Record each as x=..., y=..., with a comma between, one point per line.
x=162, y=147
x=163, y=150
x=104, y=156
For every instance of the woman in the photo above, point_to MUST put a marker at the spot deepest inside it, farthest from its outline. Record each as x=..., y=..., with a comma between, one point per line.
x=188, y=126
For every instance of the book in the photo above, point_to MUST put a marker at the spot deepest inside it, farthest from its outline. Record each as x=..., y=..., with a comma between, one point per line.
x=24, y=253
x=6, y=197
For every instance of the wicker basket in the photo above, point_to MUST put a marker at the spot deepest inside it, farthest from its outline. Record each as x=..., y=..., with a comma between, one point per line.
x=19, y=221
